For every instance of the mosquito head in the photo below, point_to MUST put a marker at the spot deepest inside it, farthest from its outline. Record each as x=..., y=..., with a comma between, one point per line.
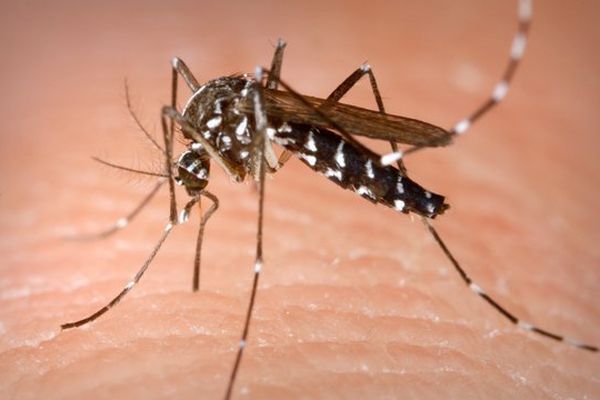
x=193, y=168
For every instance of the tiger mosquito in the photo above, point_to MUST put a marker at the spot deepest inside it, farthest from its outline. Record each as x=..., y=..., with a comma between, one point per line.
x=235, y=120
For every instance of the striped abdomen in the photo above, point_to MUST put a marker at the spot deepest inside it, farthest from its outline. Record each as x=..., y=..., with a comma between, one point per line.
x=350, y=168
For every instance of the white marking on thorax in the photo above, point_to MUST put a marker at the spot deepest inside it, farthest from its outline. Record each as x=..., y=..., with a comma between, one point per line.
x=369, y=168
x=339, y=155
x=240, y=129
x=214, y=122
x=218, y=109
x=196, y=146
x=225, y=142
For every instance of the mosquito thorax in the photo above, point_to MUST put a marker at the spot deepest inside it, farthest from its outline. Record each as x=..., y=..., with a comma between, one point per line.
x=214, y=110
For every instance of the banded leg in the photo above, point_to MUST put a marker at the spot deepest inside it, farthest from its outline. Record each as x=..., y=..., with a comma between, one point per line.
x=499, y=308
x=168, y=139
x=348, y=84
x=127, y=287
x=138, y=275
x=273, y=83
x=499, y=92
x=261, y=129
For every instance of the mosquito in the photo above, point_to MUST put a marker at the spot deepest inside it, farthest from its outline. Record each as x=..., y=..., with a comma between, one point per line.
x=237, y=120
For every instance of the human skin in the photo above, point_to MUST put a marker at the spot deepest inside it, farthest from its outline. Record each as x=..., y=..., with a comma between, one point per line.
x=355, y=301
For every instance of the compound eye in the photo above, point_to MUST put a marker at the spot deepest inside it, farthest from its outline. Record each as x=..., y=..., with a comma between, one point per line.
x=193, y=171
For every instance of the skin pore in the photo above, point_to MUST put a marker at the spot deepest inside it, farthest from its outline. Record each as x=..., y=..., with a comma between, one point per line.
x=355, y=301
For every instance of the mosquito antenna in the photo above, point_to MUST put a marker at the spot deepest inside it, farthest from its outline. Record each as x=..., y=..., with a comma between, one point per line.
x=137, y=121
x=501, y=309
x=135, y=171
x=517, y=49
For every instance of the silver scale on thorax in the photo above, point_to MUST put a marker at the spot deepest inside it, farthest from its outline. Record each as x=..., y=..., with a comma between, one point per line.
x=213, y=110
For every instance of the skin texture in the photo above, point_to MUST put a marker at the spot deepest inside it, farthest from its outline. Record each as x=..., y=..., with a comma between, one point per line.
x=355, y=301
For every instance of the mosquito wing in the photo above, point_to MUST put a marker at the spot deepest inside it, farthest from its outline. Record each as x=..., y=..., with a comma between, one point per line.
x=282, y=105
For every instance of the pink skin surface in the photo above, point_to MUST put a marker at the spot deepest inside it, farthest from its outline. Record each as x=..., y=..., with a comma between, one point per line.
x=355, y=301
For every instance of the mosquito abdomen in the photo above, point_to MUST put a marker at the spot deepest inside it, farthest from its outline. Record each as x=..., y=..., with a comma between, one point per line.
x=349, y=167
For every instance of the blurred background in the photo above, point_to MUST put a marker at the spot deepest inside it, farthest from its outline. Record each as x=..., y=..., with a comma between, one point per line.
x=524, y=184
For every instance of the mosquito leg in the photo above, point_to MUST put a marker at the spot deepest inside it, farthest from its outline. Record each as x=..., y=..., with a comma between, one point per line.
x=273, y=78
x=183, y=70
x=203, y=220
x=508, y=315
x=283, y=158
x=272, y=83
x=135, y=171
x=138, y=275
x=261, y=130
x=122, y=222
x=168, y=137
x=348, y=84
x=127, y=287
x=499, y=92
x=517, y=50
